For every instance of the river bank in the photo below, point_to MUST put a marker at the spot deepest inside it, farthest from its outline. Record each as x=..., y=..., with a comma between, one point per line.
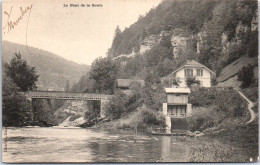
x=237, y=144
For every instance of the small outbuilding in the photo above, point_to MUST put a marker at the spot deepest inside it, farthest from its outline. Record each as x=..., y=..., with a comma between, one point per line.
x=177, y=106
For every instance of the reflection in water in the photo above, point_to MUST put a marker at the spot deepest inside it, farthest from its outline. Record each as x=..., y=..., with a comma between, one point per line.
x=86, y=145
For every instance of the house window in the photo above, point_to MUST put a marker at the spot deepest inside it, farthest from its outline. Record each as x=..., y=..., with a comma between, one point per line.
x=188, y=72
x=199, y=72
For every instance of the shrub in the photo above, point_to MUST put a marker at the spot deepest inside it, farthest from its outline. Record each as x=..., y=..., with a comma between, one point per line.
x=251, y=93
x=192, y=80
x=218, y=106
x=200, y=119
x=93, y=110
x=116, y=105
x=246, y=75
x=147, y=117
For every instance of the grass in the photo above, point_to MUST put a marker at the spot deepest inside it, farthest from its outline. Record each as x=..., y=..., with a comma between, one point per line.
x=143, y=118
x=235, y=144
x=251, y=93
x=206, y=149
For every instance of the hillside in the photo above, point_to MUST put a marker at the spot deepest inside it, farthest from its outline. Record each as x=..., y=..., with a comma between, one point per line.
x=215, y=33
x=54, y=70
x=228, y=76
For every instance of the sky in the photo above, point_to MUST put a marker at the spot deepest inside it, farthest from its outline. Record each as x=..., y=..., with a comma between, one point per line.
x=79, y=34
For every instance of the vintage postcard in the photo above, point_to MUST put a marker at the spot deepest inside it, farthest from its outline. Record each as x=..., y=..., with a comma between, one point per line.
x=130, y=81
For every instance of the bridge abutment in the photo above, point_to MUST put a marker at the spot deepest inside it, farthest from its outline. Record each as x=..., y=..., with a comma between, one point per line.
x=102, y=107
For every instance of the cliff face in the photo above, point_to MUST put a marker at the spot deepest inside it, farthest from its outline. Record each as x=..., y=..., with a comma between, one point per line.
x=151, y=40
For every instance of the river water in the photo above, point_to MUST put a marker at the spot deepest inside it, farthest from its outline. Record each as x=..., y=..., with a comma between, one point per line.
x=88, y=145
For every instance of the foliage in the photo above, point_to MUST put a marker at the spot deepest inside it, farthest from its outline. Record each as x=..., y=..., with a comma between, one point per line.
x=103, y=72
x=130, y=67
x=251, y=93
x=121, y=104
x=141, y=118
x=21, y=74
x=16, y=108
x=246, y=75
x=116, y=105
x=43, y=112
x=148, y=118
x=226, y=18
x=153, y=98
x=93, y=110
x=213, y=81
x=190, y=80
x=85, y=84
x=216, y=106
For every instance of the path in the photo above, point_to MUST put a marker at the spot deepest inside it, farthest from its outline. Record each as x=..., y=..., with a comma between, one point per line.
x=250, y=106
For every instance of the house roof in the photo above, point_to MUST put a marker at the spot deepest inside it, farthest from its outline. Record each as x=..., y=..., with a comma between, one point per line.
x=177, y=90
x=233, y=68
x=126, y=82
x=190, y=63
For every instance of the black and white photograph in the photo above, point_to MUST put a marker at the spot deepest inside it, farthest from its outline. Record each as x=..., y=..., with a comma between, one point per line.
x=129, y=81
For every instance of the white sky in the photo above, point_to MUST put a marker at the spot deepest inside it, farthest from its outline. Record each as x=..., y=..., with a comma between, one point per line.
x=80, y=34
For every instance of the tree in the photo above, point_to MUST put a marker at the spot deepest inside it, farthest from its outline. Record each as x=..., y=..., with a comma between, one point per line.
x=104, y=72
x=16, y=108
x=116, y=105
x=191, y=80
x=21, y=74
x=246, y=75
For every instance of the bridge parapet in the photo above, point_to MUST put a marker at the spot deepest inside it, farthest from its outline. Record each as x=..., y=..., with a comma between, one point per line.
x=66, y=95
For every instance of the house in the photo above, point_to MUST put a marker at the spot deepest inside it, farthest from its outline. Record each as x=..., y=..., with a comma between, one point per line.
x=177, y=108
x=191, y=68
x=125, y=83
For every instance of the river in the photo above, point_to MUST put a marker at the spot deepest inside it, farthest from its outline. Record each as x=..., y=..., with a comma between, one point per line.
x=89, y=145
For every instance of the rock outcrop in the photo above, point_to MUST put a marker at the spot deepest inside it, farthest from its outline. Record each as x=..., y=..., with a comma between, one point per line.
x=71, y=113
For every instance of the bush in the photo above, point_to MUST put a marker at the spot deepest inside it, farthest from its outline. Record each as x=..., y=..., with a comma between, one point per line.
x=251, y=93
x=246, y=75
x=216, y=106
x=116, y=105
x=150, y=118
x=192, y=80
x=93, y=110
x=200, y=119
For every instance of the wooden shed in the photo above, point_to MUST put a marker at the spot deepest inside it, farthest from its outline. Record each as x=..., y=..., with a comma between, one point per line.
x=177, y=105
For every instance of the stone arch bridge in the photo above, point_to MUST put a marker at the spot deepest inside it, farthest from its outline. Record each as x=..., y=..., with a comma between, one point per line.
x=59, y=95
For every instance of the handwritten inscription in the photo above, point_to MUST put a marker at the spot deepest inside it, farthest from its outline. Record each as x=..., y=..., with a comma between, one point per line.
x=11, y=24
